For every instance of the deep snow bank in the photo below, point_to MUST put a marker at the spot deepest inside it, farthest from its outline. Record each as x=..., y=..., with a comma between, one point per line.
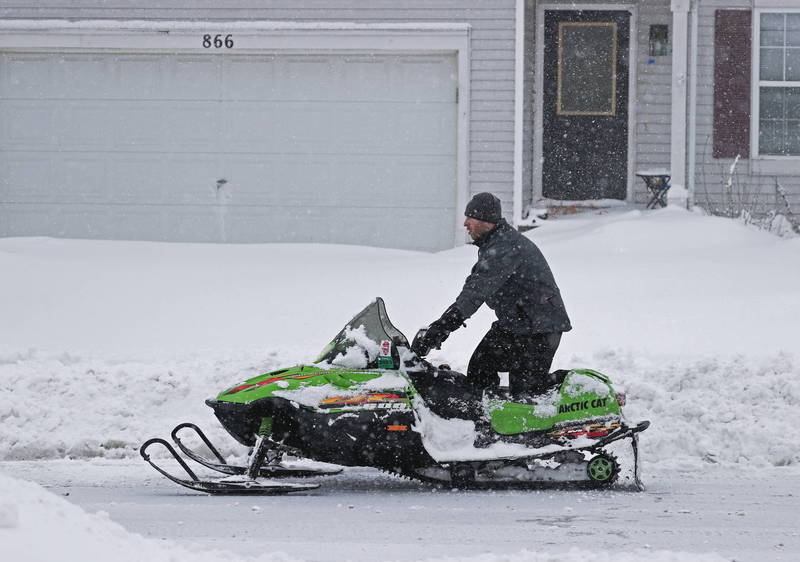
x=38, y=526
x=104, y=344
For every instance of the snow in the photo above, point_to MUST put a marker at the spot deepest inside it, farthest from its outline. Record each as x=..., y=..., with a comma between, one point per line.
x=312, y=395
x=582, y=384
x=653, y=172
x=104, y=344
x=73, y=534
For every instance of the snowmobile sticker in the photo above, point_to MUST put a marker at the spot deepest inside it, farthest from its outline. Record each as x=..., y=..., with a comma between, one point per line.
x=592, y=431
x=367, y=401
x=252, y=386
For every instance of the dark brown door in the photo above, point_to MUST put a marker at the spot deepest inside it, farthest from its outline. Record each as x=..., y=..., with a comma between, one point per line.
x=585, y=112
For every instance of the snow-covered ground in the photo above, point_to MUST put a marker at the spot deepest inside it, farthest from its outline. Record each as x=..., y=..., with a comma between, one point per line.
x=104, y=344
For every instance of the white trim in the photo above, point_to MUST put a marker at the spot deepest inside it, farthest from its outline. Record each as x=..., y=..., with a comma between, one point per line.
x=776, y=166
x=249, y=36
x=187, y=25
x=633, y=106
x=519, y=92
x=677, y=167
x=693, y=49
x=772, y=5
x=538, y=120
x=538, y=105
x=755, y=102
x=463, y=157
x=260, y=37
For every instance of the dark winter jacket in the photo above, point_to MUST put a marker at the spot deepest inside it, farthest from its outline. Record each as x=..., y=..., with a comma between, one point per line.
x=513, y=279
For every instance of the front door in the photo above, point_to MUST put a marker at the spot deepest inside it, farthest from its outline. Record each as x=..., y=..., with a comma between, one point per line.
x=585, y=97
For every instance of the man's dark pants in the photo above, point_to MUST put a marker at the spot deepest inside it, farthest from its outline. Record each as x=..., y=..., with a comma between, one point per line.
x=526, y=357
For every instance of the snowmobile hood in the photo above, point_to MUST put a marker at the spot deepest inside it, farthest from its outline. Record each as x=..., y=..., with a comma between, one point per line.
x=584, y=395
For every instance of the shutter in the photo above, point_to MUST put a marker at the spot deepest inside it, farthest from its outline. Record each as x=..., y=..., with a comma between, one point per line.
x=732, y=67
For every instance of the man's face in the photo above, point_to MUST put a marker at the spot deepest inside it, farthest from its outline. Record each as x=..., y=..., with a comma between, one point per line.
x=477, y=228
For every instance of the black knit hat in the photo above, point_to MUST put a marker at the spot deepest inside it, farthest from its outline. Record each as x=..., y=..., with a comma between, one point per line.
x=484, y=207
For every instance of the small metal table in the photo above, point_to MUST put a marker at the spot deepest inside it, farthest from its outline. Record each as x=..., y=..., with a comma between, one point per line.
x=657, y=182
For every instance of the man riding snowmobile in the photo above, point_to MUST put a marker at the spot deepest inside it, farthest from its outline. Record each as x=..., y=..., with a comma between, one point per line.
x=371, y=399
x=513, y=278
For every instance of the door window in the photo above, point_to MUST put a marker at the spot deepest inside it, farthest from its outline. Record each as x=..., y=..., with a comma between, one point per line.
x=587, y=78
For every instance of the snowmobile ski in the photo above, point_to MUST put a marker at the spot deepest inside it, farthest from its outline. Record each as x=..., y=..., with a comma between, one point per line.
x=230, y=485
x=276, y=469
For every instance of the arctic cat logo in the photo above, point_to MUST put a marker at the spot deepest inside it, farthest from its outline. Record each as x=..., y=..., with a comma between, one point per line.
x=582, y=405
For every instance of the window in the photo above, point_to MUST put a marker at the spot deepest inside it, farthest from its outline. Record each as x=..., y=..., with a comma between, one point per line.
x=587, y=75
x=778, y=83
x=659, y=40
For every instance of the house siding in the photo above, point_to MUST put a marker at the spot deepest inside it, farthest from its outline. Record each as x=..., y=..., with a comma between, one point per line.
x=529, y=106
x=492, y=54
x=721, y=186
x=653, y=96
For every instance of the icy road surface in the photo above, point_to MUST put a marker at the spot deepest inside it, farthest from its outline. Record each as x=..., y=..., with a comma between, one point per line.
x=365, y=515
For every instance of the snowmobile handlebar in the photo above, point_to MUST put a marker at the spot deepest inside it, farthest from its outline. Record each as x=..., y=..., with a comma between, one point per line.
x=419, y=345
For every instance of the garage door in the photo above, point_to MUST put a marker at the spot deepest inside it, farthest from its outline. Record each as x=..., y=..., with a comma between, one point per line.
x=354, y=149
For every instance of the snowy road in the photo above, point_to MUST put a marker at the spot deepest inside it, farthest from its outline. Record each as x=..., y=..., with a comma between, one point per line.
x=365, y=515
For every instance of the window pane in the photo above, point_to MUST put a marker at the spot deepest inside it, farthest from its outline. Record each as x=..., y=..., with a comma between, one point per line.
x=793, y=30
x=770, y=137
x=793, y=64
x=771, y=64
x=793, y=138
x=771, y=103
x=587, y=68
x=772, y=38
x=792, y=96
x=772, y=27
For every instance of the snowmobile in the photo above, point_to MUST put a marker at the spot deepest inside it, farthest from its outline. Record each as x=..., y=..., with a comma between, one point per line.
x=369, y=400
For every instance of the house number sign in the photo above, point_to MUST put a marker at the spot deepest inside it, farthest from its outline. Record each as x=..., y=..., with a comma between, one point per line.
x=217, y=41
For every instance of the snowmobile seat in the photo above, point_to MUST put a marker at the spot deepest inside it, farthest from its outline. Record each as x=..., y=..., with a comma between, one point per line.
x=448, y=394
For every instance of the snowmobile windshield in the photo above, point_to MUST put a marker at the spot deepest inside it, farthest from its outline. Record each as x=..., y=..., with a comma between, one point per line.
x=368, y=341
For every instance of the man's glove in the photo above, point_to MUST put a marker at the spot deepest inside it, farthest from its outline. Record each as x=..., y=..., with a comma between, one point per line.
x=434, y=335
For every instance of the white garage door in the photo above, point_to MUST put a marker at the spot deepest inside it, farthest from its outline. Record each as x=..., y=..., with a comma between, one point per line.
x=354, y=149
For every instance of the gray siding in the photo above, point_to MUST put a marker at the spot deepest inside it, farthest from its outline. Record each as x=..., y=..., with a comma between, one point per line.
x=491, y=150
x=715, y=187
x=529, y=106
x=653, y=97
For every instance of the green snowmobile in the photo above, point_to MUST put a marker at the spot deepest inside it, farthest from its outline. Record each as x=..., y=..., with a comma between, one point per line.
x=368, y=400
